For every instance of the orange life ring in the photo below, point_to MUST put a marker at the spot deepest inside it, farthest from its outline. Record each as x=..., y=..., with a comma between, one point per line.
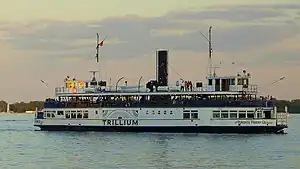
x=74, y=90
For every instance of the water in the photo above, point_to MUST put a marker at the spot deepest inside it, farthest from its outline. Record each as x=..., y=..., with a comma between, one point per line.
x=23, y=147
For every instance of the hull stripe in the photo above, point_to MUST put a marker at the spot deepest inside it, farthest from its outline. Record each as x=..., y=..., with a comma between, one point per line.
x=177, y=129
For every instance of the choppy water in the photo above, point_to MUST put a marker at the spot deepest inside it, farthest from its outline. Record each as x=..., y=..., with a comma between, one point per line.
x=23, y=147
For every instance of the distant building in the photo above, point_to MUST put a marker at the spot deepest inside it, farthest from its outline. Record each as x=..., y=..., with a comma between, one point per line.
x=8, y=109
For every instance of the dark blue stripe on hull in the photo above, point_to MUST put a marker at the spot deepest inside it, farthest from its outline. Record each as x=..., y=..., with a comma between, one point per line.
x=177, y=129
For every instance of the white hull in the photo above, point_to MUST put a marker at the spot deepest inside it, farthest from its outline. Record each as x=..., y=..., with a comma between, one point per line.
x=155, y=117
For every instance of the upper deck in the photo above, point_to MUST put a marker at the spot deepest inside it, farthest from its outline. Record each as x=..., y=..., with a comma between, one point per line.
x=124, y=90
x=227, y=85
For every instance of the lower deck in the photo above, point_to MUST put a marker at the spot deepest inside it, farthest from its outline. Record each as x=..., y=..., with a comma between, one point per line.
x=164, y=120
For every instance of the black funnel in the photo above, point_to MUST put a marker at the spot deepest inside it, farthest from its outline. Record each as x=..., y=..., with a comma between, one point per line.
x=162, y=67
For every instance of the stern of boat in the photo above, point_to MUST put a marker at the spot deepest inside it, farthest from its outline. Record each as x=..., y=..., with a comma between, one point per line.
x=39, y=116
x=282, y=120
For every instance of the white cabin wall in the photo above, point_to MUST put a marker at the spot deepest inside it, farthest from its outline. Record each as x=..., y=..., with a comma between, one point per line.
x=149, y=116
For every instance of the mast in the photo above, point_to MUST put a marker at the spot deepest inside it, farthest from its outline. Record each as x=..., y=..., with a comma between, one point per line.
x=93, y=75
x=210, y=52
x=97, y=49
x=97, y=58
x=98, y=45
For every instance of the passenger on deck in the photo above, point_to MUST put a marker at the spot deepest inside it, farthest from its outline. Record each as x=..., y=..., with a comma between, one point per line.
x=181, y=85
x=191, y=86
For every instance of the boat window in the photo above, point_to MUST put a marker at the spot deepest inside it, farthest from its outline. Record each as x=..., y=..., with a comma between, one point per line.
x=96, y=112
x=216, y=115
x=73, y=115
x=40, y=115
x=242, y=115
x=232, y=82
x=60, y=113
x=224, y=115
x=194, y=115
x=267, y=114
x=85, y=115
x=210, y=82
x=246, y=81
x=48, y=115
x=233, y=115
x=250, y=115
x=53, y=115
x=186, y=115
x=67, y=115
x=259, y=115
x=240, y=81
x=79, y=115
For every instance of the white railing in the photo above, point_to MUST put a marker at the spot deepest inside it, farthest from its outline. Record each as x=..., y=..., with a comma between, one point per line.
x=174, y=88
x=281, y=118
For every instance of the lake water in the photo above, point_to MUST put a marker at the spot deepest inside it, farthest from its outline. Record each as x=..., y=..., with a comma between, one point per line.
x=23, y=147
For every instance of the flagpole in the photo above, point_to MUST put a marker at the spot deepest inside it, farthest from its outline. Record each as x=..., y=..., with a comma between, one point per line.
x=99, y=44
x=210, y=52
x=97, y=55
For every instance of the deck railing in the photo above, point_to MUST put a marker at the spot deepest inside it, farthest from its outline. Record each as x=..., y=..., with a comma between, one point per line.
x=131, y=89
x=281, y=118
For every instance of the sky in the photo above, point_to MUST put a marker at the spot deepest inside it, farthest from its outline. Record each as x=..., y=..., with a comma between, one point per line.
x=51, y=39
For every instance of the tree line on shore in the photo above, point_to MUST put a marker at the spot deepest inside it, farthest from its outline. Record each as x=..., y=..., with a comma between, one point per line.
x=22, y=107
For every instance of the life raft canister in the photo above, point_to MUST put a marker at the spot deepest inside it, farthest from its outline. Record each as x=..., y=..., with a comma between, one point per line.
x=81, y=84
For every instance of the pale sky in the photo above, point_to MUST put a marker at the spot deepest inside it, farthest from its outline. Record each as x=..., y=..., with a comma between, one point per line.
x=50, y=39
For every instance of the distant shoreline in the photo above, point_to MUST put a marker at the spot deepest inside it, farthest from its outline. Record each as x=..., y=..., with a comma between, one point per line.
x=4, y=113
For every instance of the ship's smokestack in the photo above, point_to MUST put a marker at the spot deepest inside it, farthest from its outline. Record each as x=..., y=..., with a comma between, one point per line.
x=162, y=67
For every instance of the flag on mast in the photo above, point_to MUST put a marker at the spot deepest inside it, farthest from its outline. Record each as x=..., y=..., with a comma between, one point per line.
x=101, y=43
x=97, y=47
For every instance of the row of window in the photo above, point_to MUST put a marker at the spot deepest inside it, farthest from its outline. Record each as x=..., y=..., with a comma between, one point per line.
x=68, y=114
x=190, y=115
x=241, y=111
x=77, y=115
x=159, y=112
x=241, y=81
x=236, y=115
x=61, y=113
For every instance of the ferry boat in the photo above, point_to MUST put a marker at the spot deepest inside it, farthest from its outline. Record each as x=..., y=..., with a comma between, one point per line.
x=226, y=104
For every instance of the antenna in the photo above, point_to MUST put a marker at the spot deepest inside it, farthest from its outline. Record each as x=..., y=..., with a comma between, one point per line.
x=209, y=50
x=93, y=75
x=215, y=67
